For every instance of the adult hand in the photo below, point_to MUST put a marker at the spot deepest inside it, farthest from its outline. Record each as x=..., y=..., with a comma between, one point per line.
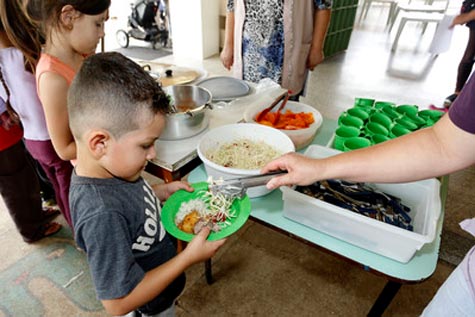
x=199, y=249
x=227, y=57
x=462, y=18
x=301, y=170
x=315, y=58
x=163, y=191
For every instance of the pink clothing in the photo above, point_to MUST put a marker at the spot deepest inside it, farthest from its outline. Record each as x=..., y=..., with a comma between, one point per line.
x=298, y=32
x=48, y=63
x=58, y=171
x=20, y=83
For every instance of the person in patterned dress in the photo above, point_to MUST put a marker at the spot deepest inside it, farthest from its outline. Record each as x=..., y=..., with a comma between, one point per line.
x=276, y=39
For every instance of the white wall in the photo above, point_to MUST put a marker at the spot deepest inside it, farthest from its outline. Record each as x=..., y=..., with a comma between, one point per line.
x=195, y=28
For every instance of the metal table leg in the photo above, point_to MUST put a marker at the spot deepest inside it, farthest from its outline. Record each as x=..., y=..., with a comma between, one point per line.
x=384, y=299
x=208, y=273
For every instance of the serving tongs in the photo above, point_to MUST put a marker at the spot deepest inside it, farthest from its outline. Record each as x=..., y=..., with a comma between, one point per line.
x=237, y=187
x=284, y=96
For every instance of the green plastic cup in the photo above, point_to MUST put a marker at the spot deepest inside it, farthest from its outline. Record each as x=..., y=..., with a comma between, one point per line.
x=359, y=112
x=435, y=115
x=382, y=104
x=418, y=120
x=429, y=123
x=379, y=138
x=391, y=112
x=355, y=143
x=373, y=128
x=404, y=109
x=350, y=120
x=342, y=134
x=398, y=130
x=364, y=102
x=407, y=123
x=382, y=119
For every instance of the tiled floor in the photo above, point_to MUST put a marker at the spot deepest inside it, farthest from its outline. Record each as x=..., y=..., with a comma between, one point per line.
x=261, y=272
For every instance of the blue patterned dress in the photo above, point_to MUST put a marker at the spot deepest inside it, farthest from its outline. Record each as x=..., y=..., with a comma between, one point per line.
x=263, y=38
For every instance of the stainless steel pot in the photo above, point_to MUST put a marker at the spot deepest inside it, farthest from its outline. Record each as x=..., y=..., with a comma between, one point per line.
x=188, y=113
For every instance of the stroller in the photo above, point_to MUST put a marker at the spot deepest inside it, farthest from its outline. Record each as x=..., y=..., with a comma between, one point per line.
x=148, y=22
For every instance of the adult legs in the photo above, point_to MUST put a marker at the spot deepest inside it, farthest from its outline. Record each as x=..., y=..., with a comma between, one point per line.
x=453, y=298
x=466, y=63
x=464, y=68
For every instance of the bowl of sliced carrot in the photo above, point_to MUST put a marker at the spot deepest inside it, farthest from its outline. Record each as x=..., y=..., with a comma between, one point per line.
x=298, y=120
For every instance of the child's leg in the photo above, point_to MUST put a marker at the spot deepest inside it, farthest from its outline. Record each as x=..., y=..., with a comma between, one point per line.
x=63, y=171
x=57, y=170
x=20, y=190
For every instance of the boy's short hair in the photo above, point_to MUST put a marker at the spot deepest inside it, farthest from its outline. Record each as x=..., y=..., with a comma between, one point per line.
x=114, y=93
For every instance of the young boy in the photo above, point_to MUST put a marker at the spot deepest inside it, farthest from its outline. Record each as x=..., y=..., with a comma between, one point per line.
x=116, y=113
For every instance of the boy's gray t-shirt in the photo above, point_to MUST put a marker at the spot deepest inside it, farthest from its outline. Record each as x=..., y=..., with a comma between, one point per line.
x=117, y=223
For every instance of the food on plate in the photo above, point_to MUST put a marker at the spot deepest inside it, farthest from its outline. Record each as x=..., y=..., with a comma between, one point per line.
x=189, y=221
x=288, y=120
x=209, y=210
x=243, y=154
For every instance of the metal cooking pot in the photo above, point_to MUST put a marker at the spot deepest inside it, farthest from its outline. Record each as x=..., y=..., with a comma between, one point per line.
x=188, y=114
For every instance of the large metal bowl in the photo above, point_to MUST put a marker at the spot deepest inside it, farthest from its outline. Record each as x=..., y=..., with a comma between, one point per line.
x=188, y=114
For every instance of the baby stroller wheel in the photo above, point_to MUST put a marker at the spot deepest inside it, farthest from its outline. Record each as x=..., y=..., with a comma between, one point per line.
x=122, y=38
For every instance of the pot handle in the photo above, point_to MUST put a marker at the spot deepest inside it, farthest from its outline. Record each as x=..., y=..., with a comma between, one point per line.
x=209, y=106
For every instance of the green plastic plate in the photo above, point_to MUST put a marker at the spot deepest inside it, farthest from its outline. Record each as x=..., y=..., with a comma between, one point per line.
x=242, y=207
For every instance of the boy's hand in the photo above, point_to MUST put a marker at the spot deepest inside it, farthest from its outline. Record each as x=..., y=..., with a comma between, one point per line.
x=199, y=249
x=163, y=191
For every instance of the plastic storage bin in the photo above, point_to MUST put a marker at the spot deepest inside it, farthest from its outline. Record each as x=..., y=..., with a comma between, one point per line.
x=393, y=242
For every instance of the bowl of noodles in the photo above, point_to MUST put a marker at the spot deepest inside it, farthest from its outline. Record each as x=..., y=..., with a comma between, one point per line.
x=240, y=150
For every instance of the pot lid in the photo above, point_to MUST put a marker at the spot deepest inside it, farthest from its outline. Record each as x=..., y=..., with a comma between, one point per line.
x=225, y=88
x=169, y=74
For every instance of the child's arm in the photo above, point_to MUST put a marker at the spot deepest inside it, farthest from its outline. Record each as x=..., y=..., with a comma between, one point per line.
x=53, y=95
x=156, y=280
x=163, y=191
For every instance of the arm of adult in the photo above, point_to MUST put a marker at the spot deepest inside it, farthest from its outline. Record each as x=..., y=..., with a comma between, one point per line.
x=320, y=27
x=156, y=280
x=430, y=152
x=227, y=54
x=53, y=91
x=463, y=18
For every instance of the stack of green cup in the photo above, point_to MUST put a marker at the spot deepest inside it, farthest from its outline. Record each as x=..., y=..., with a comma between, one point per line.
x=371, y=122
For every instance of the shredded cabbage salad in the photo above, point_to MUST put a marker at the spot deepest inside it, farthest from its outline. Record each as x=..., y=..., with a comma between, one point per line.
x=210, y=207
x=243, y=154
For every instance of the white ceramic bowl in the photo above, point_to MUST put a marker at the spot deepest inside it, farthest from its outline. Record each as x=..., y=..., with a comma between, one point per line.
x=231, y=132
x=301, y=137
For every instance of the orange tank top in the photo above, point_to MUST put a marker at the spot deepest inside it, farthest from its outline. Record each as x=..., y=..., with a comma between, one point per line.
x=48, y=63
